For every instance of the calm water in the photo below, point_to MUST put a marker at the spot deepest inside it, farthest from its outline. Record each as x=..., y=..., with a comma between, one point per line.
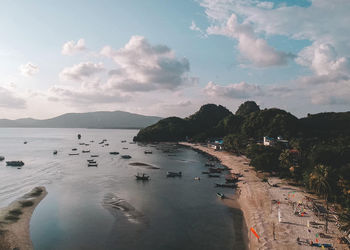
x=164, y=213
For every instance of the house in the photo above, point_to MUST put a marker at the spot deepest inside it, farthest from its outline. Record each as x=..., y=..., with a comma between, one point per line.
x=269, y=141
x=216, y=144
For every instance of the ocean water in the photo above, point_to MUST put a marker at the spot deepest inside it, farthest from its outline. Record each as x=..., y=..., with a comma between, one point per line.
x=104, y=207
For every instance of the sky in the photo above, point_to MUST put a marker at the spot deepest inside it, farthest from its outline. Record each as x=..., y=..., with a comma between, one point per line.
x=167, y=58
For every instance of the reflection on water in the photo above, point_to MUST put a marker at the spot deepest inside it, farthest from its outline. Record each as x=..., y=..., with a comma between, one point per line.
x=96, y=208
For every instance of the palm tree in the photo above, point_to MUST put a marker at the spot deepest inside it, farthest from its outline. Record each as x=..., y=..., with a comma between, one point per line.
x=318, y=181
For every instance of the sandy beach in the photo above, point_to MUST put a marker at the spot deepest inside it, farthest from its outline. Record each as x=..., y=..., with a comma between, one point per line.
x=15, y=219
x=260, y=203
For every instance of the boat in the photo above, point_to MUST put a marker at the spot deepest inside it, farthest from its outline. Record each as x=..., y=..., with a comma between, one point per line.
x=132, y=142
x=74, y=149
x=114, y=153
x=55, y=152
x=220, y=195
x=25, y=142
x=231, y=179
x=209, y=164
x=148, y=152
x=15, y=163
x=85, y=151
x=92, y=165
x=93, y=155
x=142, y=177
x=79, y=136
x=91, y=161
x=205, y=172
x=126, y=156
x=214, y=175
x=226, y=185
x=197, y=178
x=73, y=154
x=86, y=144
x=2, y=158
x=82, y=143
x=215, y=170
x=173, y=174
x=125, y=148
x=92, y=141
x=106, y=144
x=101, y=142
x=123, y=141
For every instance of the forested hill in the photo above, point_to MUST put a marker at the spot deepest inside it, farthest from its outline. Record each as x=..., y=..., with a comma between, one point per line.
x=213, y=121
x=315, y=152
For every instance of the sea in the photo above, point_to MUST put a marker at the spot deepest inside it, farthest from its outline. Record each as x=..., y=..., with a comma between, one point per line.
x=105, y=207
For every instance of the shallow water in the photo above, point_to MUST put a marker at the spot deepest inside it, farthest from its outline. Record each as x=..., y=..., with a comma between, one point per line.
x=105, y=207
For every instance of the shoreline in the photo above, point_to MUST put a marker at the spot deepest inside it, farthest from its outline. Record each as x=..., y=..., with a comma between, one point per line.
x=260, y=203
x=15, y=220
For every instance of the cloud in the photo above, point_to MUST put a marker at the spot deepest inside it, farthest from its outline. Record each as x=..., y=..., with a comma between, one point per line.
x=9, y=100
x=29, y=69
x=85, y=95
x=265, y=5
x=323, y=59
x=240, y=90
x=194, y=27
x=254, y=49
x=71, y=47
x=146, y=67
x=81, y=71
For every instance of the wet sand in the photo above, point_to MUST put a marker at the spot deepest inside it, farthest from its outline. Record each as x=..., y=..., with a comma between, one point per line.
x=260, y=203
x=15, y=219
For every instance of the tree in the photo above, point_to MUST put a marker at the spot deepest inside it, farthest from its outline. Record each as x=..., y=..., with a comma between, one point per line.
x=318, y=181
x=246, y=108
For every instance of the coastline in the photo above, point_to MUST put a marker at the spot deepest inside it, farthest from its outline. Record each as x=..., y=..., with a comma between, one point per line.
x=15, y=219
x=260, y=203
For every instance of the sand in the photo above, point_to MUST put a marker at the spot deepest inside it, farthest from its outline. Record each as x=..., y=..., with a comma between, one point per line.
x=260, y=202
x=15, y=219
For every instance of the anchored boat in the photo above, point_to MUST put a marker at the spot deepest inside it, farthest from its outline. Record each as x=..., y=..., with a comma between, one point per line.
x=143, y=177
x=15, y=163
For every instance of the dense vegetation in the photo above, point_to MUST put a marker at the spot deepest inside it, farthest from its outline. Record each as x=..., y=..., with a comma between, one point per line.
x=317, y=155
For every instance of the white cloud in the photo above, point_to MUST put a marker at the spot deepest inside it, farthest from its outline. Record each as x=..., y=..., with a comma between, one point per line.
x=71, y=47
x=9, y=99
x=235, y=90
x=29, y=69
x=81, y=71
x=323, y=59
x=266, y=5
x=146, y=67
x=255, y=49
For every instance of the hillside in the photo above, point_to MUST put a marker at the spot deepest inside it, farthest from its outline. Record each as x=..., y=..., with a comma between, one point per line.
x=101, y=119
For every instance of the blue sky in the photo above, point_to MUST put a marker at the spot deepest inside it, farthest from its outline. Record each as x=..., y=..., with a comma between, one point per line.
x=169, y=57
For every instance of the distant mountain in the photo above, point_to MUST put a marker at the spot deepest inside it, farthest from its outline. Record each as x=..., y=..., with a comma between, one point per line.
x=102, y=119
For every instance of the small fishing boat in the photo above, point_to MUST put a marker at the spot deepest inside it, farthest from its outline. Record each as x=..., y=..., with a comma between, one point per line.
x=214, y=175
x=226, y=185
x=123, y=141
x=220, y=195
x=215, y=170
x=173, y=174
x=126, y=156
x=197, y=178
x=93, y=155
x=91, y=161
x=125, y=148
x=85, y=151
x=92, y=165
x=143, y=177
x=55, y=152
x=15, y=163
x=2, y=158
x=25, y=142
x=74, y=149
x=114, y=153
x=92, y=141
x=82, y=143
x=86, y=144
x=73, y=154
x=101, y=142
x=209, y=164
x=106, y=144
x=205, y=172
x=132, y=142
x=79, y=136
x=148, y=152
